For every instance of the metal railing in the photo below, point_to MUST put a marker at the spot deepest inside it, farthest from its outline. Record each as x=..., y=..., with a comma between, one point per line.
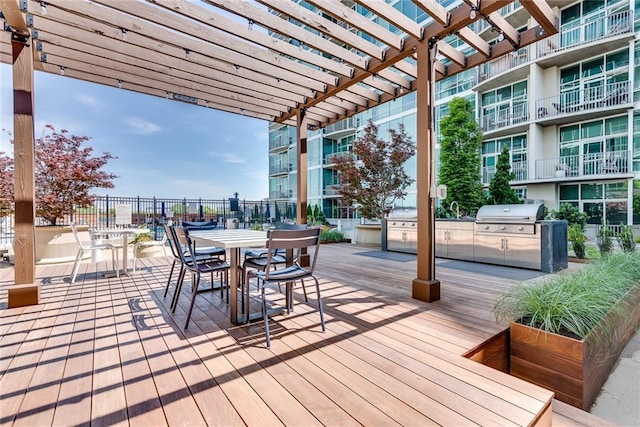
x=589, y=32
x=591, y=98
x=519, y=169
x=609, y=163
x=504, y=63
x=330, y=159
x=513, y=115
x=349, y=123
x=280, y=168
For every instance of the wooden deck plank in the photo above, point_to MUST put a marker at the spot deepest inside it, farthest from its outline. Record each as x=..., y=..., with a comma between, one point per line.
x=385, y=358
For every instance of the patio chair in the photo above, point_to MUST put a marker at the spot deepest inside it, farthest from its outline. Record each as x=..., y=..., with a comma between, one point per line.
x=287, y=240
x=184, y=245
x=257, y=258
x=181, y=258
x=148, y=244
x=82, y=248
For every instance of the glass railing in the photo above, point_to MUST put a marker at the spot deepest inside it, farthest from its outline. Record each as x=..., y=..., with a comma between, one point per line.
x=519, y=170
x=503, y=63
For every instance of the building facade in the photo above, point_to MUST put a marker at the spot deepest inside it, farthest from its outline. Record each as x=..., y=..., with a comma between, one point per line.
x=565, y=107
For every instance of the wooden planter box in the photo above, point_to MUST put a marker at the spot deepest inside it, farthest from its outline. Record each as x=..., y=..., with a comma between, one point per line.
x=574, y=369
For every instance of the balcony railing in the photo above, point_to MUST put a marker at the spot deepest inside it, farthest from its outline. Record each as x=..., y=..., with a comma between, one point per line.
x=601, y=28
x=341, y=125
x=610, y=163
x=280, y=168
x=331, y=190
x=591, y=98
x=330, y=159
x=504, y=63
x=279, y=142
x=513, y=115
x=519, y=170
x=482, y=24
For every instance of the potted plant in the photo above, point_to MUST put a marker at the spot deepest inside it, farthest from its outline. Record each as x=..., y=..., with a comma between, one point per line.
x=576, y=236
x=373, y=177
x=567, y=332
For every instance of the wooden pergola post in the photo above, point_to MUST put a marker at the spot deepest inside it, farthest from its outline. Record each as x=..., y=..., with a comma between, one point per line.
x=24, y=159
x=425, y=287
x=301, y=179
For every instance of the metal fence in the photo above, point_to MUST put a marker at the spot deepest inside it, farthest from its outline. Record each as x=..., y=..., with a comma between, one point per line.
x=155, y=212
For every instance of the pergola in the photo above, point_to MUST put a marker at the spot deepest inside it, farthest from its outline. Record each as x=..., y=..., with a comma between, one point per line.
x=286, y=65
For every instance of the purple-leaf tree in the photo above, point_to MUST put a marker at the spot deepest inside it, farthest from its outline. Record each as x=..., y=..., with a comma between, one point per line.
x=6, y=185
x=65, y=173
x=373, y=176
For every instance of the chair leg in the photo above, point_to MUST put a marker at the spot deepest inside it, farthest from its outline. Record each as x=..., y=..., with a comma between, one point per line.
x=135, y=258
x=176, y=294
x=117, y=264
x=76, y=266
x=265, y=317
x=304, y=290
x=166, y=289
x=196, y=282
x=320, y=304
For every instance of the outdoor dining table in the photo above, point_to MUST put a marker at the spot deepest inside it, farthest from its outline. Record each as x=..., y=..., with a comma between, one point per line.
x=124, y=233
x=233, y=240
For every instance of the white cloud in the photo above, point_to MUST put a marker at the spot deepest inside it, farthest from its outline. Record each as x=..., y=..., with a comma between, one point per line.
x=142, y=126
x=229, y=158
x=90, y=101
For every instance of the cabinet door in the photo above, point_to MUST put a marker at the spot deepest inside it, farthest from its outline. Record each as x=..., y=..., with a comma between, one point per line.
x=522, y=252
x=441, y=242
x=489, y=249
x=460, y=244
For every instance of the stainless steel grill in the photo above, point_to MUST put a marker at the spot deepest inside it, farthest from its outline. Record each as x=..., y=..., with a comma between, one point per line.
x=509, y=235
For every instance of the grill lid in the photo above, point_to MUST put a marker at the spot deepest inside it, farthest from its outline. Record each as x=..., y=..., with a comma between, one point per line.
x=527, y=213
x=403, y=213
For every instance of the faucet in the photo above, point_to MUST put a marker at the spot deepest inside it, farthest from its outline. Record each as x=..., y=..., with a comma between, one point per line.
x=457, y=208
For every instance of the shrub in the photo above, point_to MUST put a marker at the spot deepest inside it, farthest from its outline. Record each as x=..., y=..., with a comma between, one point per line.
x=605, y=239
x=571, y=213
x=577, y=238
x=625, y=239
x=331, y=236
x=572, y=304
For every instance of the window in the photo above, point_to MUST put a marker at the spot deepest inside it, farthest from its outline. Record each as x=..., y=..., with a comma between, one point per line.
x=597, y=199
x=491, y=149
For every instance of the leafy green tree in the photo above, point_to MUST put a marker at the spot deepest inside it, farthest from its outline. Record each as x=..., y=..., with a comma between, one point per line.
x=571, y=213
x=460, y=157
x=374, y=177
x=500, y=192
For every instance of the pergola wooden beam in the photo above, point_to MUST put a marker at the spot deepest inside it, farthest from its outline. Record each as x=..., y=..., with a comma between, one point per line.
x=452, y=53
x=542, y=13
x=475, y=41
x=435, y=10
x=343, y=13
x=393, y=16
x=15, y=19
x=506, y=29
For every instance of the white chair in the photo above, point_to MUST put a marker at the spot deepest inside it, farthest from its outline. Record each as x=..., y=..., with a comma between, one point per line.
x=82, y=248
x=148, y=244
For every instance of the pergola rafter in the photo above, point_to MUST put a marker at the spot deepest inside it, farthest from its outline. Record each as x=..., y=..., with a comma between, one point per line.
x=274, y=60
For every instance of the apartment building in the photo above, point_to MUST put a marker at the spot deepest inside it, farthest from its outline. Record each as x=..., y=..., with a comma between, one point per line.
x=565, y=108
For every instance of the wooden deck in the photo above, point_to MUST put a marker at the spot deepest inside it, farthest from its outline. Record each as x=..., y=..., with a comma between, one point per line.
x=107, y=351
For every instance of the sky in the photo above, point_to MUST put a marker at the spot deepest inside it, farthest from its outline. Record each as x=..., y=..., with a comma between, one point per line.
x=164, y=148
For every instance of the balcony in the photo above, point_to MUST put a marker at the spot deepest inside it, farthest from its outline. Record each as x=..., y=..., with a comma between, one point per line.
x=610, y=164
x=330, y=159
x=280, y=169
x=277, y=144
x=510, y=63
x=602, y=35
x=508, y=120
x=341, y=128
x=519, y=170
x=332, y=190
x=587, y=103
x=280, y=194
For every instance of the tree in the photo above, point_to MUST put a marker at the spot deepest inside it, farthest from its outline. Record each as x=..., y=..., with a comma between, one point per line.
x=460, y=157
x=500, y=192
x=374, y=176
x=65, y=172
x=6, y=185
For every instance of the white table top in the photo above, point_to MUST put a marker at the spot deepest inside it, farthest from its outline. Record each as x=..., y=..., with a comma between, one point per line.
x=233, y=238
x=131, y=230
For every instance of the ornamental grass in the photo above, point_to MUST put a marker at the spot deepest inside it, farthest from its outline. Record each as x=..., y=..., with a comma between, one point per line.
x=573, y=303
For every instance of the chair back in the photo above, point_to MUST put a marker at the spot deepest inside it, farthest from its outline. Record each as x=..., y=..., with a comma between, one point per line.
x=294, y=240
x=76, y=236
x=169, y=234
x=183, y=244
x=200, y=225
